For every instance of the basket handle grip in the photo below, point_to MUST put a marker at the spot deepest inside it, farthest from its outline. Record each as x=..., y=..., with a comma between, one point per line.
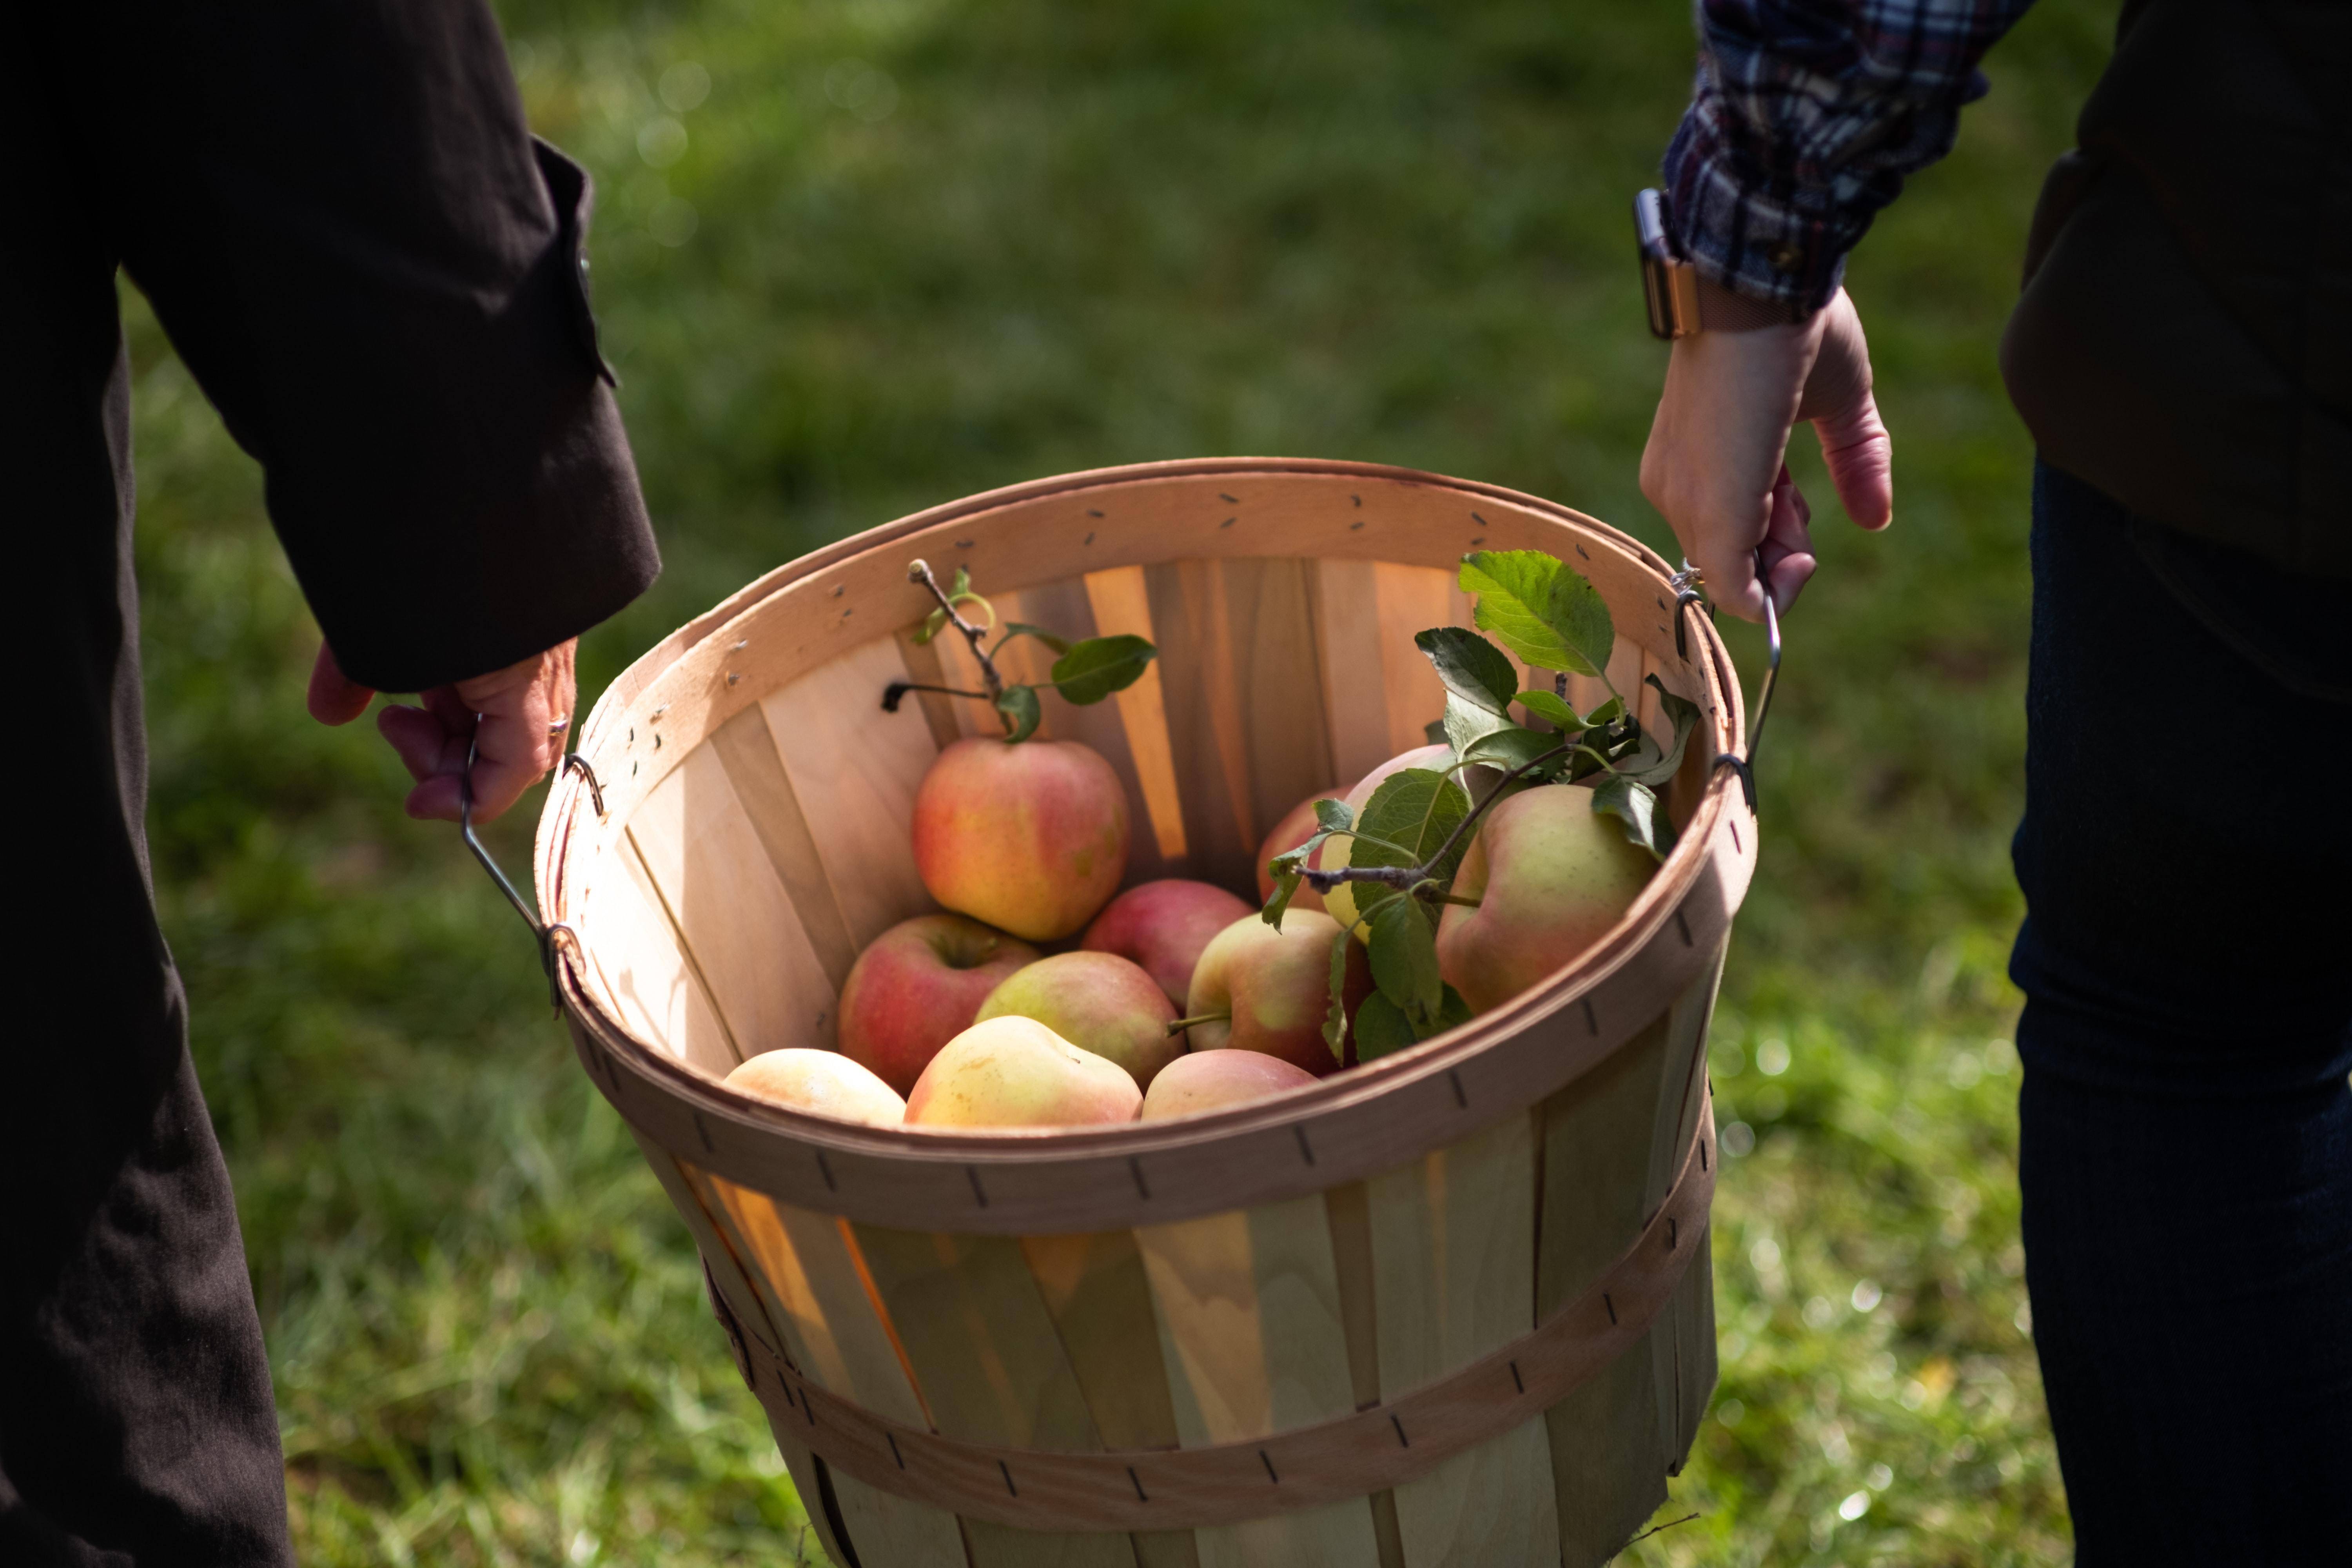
x=543, y=933
x=1687, y=584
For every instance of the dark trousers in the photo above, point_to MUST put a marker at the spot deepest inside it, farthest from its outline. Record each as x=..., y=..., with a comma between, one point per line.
x=2186, y=1152
x=136, y=1423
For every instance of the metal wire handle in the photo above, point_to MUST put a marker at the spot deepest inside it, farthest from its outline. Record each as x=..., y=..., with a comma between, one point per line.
x=543, y=933
x=1687, y=584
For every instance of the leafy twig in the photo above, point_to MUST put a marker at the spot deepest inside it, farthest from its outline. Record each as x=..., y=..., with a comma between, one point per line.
x=1404, y=877
x=920, y=572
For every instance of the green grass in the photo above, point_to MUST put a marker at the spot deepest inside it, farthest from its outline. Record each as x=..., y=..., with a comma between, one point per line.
x=1084, y=234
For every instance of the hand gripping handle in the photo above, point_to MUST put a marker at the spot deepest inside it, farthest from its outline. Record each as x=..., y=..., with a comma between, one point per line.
x=543, y=933
x=1686, y=585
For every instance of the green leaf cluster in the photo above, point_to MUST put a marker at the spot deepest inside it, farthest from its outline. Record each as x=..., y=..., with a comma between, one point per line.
x=1547, y=615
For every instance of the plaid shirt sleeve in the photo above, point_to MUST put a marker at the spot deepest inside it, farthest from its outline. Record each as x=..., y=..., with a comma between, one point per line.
x=1805, y=117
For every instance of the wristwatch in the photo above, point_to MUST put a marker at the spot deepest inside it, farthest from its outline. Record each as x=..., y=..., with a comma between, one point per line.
x=1669, y=283
x=1682, y=303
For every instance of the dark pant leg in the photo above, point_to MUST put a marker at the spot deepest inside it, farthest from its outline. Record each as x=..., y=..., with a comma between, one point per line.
x=136, y=1423
x=2186, y=1154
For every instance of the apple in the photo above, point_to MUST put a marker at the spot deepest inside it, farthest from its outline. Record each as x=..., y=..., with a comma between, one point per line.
x=1163, y=926
x=1297, y=826
x=1550, y=878
x=1099, y=1002
x=915, y=988
x=1211, y=1080
x=825, y=1083
x=1016, y=1072
x=1031, y=839
x=1340, y=901
x=1259, y=989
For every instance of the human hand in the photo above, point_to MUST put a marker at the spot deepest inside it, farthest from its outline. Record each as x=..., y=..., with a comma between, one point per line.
x=517, y=716
x=1716, y=464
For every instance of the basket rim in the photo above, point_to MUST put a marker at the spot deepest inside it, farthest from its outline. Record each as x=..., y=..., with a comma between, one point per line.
x=1720, y=808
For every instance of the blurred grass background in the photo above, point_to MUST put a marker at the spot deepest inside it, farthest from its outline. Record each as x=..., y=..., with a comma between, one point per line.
x=854, y=258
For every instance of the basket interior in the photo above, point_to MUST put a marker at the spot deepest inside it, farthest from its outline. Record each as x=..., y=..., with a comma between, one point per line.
x=721, y=911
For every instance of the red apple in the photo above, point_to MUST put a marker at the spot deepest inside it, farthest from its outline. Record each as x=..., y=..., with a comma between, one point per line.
x=915, y=988
x=1211, y=1080
x=1031, y=839
x=1163, y=926
x=1269, y=991
x=1100, y=1002
x=823, y=1083
x=1016, y=1072
x=1340, y=901
x=1550, y=878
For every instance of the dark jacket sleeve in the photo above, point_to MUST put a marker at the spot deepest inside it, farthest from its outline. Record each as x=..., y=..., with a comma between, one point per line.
x=377, y=276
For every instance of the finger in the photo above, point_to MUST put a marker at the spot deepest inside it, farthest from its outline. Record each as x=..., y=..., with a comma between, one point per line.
x=1860, y=455
x=452, y=712
x=507, y=762
x=423, y=744
x=1844, y=416
x=335, y=697
x=1787, y=552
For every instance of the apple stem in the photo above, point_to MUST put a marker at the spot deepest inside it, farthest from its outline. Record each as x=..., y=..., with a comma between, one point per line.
x=1180, y=1024
x=920, y=572
x=1457, y=898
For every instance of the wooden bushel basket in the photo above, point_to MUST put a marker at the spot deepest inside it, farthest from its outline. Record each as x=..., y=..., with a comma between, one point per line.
x=1453, y=1307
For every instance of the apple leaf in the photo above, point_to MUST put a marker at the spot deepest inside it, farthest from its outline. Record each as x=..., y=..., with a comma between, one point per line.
x=1285, y=868
x=1404, y=959
x=1383, y=1027
x=1334, y=816
x=1651, y=763
x=1022, y=713
x=1285, y=887
x=1434, y=732
x=1335, y=1018
x=1513, y=747
x=1471, y=667
x=1467, y=725
x=1408, y=816
x=1635, y=806
x=1552, y=708
x=1023, y=629
x=1097, y=667
x=1541, y=608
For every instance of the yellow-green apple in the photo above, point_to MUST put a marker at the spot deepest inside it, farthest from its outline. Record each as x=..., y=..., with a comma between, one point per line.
x=1340, y=901
x=1211, y=1080
x=915, y=988
x=1163, y=926
x=1296, y=828
x=1099, y=1002
x=1550, y=877
x=1016, y=1072
x=1259, y=989
x=825, y=1083
x=1031, y=839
